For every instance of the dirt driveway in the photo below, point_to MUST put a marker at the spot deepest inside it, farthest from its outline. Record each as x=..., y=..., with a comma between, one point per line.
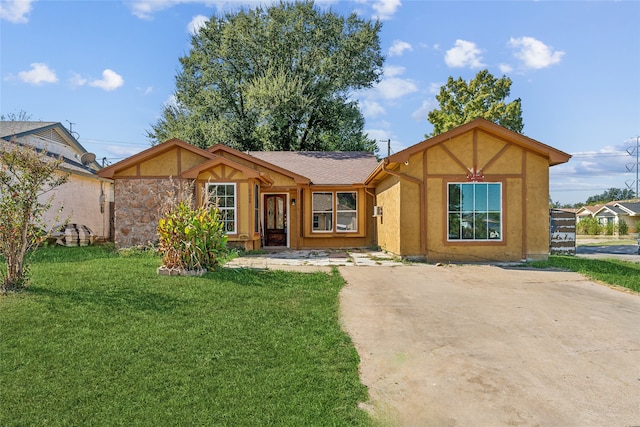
x=489, y=346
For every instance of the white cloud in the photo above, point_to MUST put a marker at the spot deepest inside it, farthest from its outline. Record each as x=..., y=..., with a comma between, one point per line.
x=420, y=114
x=145, y=9
x=372, y=108
x=110, y=80
x=15, y=11
x=39, y=73
x=385, y=8
x=77, y=80
x=145, y=90
x=393, y=70
x=196, y=23
x=434, y=88
x=394, y=88
x=464, y=54
x=505, y=68
x=399, y=47
x=534, y=53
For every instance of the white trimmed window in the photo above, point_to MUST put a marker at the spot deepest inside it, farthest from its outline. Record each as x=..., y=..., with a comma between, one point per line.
x=347, y=211
x=475, y=211
x=322, y=212
x=224, y=196
x=339, y=208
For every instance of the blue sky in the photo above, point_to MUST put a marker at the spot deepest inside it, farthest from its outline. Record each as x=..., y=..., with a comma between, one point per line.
x=108, y=67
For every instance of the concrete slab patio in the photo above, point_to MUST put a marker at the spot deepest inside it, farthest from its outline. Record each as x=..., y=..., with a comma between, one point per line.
x=489, y=346
x=315, y=260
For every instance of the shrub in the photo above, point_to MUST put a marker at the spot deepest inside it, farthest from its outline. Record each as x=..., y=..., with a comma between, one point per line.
x=590, y=226
x=26, y=174
x=609, y=228
x=192, y=238
x=623, y=228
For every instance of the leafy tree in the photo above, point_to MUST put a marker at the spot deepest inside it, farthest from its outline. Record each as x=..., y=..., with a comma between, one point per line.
x=278, y=78
x=484, y=96
x=612, y=194
x=25, y=175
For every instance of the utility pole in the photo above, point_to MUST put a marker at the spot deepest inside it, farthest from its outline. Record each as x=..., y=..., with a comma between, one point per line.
x=634, y=150
x=388, y=141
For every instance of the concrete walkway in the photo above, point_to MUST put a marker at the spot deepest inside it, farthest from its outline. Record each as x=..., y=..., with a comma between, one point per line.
x=315, y=260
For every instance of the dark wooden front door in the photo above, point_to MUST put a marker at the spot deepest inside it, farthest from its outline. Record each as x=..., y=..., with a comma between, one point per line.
x=275, y=220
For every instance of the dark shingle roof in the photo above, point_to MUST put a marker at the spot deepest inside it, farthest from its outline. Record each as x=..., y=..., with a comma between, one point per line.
x=632, y=206
x=323, y=167
x=15, y=128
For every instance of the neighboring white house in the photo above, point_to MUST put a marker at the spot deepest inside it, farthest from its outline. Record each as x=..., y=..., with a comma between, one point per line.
x=86, y=199
x=614, y=213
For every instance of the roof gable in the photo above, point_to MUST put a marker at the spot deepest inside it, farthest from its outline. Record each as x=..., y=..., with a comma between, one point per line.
x=53, y=131
x=55, y=139
x=194, y=172
x=555, y=156
x=156, y=150
x=299, y=179
x=608, y=210
x=632, y=208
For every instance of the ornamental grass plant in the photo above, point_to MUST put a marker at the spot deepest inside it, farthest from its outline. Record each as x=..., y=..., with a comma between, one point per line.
x=190, y=238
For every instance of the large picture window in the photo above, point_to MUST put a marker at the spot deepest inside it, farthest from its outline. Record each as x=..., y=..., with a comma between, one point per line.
x=224, y=196
x=345, y=211
x=475, y=211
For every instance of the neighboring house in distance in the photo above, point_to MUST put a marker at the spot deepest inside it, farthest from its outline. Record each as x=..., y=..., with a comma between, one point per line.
x=614, y=213
x=587, y=211
x=86, y=199
x=476, y=193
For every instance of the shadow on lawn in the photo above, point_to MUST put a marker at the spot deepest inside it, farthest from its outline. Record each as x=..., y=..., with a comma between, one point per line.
x=112, y=299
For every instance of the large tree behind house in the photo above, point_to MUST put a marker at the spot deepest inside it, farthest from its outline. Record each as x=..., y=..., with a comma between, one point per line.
x=275, y=78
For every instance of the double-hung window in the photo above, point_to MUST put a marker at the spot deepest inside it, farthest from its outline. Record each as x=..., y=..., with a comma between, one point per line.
x=335, y=212
x=322, y=212
x=475, y=211
x=347, y=211
x=224, y=196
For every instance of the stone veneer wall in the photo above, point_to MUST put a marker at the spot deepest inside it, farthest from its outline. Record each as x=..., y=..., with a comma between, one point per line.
x=137, y=209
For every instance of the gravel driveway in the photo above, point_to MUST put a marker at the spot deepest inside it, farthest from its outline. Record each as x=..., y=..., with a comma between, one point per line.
x=490, y=346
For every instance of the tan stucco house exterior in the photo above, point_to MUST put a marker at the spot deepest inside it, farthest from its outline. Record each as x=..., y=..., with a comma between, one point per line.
x=86, y=198
x=476, y=193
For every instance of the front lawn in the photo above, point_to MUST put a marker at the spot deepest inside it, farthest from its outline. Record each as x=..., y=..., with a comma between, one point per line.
x=101, y=339
x=610, y=271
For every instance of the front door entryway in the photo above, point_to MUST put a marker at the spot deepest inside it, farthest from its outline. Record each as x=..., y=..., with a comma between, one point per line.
x=275, y=220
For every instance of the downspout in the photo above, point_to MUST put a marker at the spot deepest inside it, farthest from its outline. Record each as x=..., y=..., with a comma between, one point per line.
x=423, y=242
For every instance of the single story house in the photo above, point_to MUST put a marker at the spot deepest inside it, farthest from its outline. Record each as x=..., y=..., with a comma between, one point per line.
x=615, y=213
x=86, y=198
x=476, y=193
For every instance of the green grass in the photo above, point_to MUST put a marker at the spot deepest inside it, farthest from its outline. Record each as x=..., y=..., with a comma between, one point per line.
x=610, y=271
x=101, y=339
